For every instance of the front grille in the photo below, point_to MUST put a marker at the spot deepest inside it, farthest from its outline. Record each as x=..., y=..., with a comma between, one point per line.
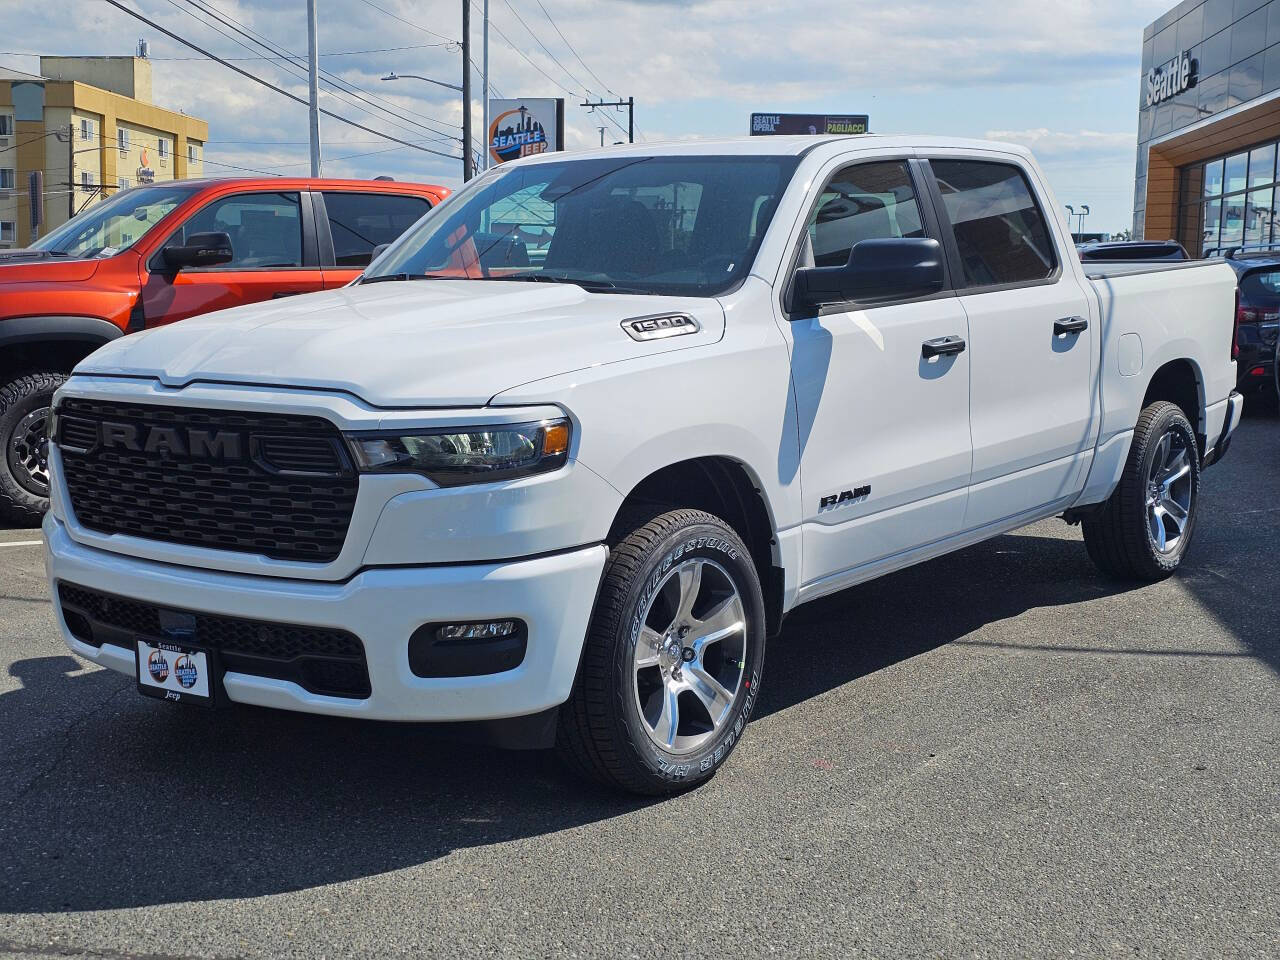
x=320, y=659
x=272, y=484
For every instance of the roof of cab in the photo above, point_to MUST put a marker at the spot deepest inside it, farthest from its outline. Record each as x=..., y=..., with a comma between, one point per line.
x=775, y=146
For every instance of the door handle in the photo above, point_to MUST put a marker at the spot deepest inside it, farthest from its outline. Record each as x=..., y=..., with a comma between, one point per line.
x=1069, y=325
x=942, y=346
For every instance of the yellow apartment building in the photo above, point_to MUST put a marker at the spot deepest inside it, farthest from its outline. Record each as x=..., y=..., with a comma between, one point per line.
x=89, y=124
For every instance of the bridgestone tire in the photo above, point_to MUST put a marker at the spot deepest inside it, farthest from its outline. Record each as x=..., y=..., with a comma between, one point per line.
x=18, y=398
x=602, y=733
x=1118, y=538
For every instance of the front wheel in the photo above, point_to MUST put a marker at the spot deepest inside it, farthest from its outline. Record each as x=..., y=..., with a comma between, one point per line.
x=25, y=404
x=673, y=658
x=1143, y=531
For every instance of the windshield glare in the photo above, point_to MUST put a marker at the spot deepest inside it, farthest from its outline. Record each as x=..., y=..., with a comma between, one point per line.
x=106, y=228
x=662, y=225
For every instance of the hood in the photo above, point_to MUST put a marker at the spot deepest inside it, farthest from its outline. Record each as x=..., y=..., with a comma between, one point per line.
x=36, y=266
x=403, y=344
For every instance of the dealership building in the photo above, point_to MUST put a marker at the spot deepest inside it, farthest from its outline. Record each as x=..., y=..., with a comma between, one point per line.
x=1208, y=125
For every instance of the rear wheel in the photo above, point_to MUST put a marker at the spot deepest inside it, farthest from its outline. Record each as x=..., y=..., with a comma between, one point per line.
x=25, y=405
x=1144, y=529
x=673, y=659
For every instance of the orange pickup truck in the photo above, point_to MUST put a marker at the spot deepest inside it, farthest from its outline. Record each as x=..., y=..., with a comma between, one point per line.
x=163, y=252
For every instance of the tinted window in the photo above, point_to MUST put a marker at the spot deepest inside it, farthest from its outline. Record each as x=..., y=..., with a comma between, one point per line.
x=361, y=221
x=869, y=201
x=999, y=230
x=661, y=225
x=265, y=229
x=1260, y=285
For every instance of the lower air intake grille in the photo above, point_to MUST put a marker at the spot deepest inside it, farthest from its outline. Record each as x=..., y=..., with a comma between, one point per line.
x=320, y=659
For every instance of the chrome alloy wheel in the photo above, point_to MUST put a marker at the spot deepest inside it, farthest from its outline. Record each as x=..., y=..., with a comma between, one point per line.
x=690, y=656
x=1169, y=492
x=28, y=451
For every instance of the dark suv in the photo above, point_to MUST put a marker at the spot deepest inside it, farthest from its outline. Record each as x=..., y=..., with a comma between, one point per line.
x=1258, y=318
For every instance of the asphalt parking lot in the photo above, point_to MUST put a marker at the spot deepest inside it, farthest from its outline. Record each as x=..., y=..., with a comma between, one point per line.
x=995, y=754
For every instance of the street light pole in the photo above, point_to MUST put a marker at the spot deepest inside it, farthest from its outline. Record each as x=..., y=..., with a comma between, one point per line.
x=313, y=83
x=466, y=113
x=484, y=83
x=468, y=169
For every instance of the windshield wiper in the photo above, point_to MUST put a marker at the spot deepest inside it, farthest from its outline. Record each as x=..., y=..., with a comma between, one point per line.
x=383, y=277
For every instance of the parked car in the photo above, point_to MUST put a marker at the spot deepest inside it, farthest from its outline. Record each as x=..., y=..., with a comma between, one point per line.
x=570, y=495
x=1258, y=315
x=154, y=254
x=1133, y=250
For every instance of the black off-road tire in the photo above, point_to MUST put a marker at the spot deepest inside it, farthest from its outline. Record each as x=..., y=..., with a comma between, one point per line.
x=601, y=734
x=1118, y=536
x=20, y=502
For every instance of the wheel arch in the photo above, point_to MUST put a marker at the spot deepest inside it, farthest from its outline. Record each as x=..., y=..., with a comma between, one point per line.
x=728, y=489
x=52, y=342
x=1181, y=383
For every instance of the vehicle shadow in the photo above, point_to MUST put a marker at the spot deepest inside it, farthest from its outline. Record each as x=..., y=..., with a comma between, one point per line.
x=894, y=618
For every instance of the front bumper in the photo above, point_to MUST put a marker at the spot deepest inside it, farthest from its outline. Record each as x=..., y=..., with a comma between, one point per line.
x=553, y=594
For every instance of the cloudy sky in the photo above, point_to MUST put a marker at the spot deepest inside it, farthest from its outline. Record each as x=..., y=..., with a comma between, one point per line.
x=1061, y=78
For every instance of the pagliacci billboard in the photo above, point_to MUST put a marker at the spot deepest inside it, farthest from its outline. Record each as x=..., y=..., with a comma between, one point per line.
x=522, y=128
x=790, y=124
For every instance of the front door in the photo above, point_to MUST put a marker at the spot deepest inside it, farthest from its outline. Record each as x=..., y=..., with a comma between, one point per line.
x=883, y=430
x=1031, y=332
x=273, y=256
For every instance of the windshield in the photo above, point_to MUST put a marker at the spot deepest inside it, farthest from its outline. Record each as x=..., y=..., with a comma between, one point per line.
x=116, y=224
x=661, y=225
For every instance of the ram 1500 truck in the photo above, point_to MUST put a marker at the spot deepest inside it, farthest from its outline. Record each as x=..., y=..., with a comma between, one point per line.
x=567, y=452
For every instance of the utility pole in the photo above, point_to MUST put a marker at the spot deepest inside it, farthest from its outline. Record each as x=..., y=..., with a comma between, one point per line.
x=629, y=103
x=313, y=83
x=468, y=166
x=484, y=84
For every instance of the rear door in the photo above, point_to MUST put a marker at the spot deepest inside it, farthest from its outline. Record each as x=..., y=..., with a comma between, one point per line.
x=351, y=224
x=274, y=255
x=1031, y=340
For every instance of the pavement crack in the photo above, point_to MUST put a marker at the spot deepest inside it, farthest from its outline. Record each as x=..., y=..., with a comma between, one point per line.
x=68, y=741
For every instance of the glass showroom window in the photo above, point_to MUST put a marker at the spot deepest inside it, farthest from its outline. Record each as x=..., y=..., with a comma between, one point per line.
x=1230, y=201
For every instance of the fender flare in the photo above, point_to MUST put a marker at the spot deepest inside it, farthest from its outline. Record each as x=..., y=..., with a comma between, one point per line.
x=48, y=327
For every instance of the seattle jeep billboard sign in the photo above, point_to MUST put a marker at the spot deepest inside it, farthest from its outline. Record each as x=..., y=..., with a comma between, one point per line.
x=1175, y=77
x=522, y=128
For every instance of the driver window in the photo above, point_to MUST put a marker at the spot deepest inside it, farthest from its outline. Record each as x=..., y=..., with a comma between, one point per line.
x=870, y=201
x=265, y=229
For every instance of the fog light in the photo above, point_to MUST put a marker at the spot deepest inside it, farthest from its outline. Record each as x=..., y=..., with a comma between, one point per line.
x=477, y=631
x=473, y=649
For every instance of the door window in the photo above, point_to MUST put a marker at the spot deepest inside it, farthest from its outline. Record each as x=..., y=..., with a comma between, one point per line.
x=265, y=229
x=869, y=201
x=361, y=221
x=999, y=229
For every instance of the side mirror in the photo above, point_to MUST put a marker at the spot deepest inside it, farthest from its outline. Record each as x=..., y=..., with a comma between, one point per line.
x=377, y=251
x=892, y=267
x=200, y=250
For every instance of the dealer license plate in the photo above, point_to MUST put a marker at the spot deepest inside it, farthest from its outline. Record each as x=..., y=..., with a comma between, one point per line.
x=176, y=672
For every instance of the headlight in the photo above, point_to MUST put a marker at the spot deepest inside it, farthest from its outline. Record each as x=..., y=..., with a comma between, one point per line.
x=457, y=455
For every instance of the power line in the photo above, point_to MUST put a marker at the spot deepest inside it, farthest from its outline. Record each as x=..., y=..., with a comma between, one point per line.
x=416, y=26
x=515, y=13
x=335, y=53
x=269, y=85
x=294, y=60
x=507, y=40
x=573, y=51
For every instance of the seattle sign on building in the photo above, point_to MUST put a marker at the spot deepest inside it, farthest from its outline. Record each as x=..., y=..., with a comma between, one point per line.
x=1171, y=79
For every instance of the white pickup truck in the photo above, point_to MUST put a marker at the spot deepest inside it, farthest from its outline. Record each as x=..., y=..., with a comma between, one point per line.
x=569, y=451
